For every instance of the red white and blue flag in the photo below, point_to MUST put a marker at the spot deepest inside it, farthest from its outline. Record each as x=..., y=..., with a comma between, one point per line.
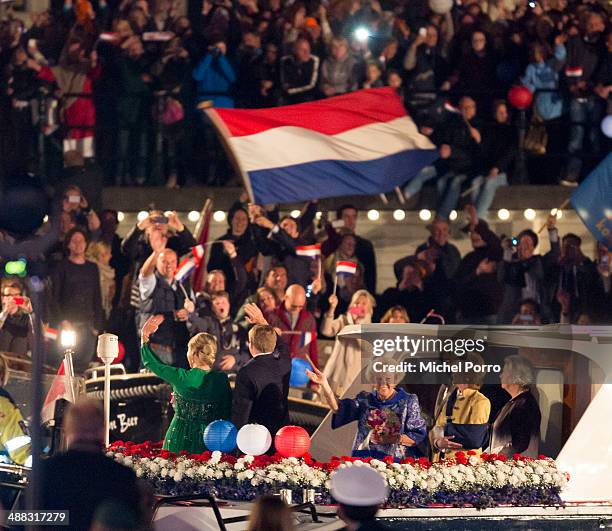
x=344, y=267
x=307, y=338
x=184, y=269
x=361, y=143
x=309, y=251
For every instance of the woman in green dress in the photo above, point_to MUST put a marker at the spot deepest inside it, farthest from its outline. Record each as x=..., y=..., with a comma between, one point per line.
x=200, y=395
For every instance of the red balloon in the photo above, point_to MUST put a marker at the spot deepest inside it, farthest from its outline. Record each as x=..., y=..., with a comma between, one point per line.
x=120, y=354
x=292, y=441
x=520, y=97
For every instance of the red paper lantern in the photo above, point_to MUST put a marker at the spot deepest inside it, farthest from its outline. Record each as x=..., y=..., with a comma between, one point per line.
x=292, y=441
x=120, y=353
x=520, y=97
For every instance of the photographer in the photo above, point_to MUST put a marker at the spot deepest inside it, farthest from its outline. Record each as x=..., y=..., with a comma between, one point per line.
x=215, y=77
x=76, y=205
x=15, y=319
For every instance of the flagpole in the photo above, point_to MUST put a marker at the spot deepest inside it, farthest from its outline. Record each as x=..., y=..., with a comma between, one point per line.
x=556, y=210
x=184, y=290
x=225, y=135
x=335, y=280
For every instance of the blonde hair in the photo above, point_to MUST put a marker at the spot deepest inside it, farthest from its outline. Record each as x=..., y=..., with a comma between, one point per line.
x=94, y=249
x=263, y=338
x=270, y=513
x=389, y=314
x=203, y=347
x=363, y=293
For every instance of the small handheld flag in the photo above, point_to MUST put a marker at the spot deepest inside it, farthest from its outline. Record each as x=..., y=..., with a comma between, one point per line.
x=309, y=251
x=184, y=269
x=307, y=338
x=50, y=334
x=344, y=267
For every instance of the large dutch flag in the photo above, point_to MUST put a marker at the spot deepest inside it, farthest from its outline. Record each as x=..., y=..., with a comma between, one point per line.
x=361, y=143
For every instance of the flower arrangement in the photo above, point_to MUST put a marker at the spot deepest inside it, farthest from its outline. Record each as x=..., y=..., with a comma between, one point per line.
x=481, y=481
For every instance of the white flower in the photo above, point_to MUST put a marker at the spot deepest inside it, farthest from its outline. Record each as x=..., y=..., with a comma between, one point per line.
x=164, y=472
x=154, y=467
x=139, y=472
x=473, y=460
x=535, y=480
x=215, y=457
x=218, y=474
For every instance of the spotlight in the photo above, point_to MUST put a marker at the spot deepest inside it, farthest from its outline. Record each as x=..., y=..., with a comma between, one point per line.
x=318, y=215
x=425, y=214
x=68, y=339
x=453, y=215
x=142, y=215
x=167, y=213
x=219, y=216
x=193, y=216
x=503, y=214
x=362, y=34
x=373, y=215
x=295, y=214
x=530, y=214
x=399, y=215
x=120, y=216
x=557, y=212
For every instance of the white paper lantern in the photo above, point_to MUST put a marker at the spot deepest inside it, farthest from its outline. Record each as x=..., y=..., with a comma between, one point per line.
x=606, y=126
x=440, y=7
x=253, y=439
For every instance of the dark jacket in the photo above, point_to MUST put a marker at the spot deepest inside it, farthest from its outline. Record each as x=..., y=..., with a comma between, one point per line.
x=237, y=271
x=279, y=244
x=299, y=81
x=465, y=152
x=165, y=300
x=499, y=148
x=261, y=391
x=586, y=56
x=516, y=429
x=79, y=481
x=16, y=333
x=231, y=338
x=517, y=275
x=76, y=294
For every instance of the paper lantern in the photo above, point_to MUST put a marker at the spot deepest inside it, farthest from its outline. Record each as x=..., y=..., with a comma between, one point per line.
x=440, y=7
x=220, y=435
x=292, y=441
x=120, y=354
x=606, y=126
x=254, y=439
x=298, y=377
x=520, y=97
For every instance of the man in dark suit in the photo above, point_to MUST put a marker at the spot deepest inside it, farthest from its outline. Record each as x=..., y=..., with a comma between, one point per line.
x=83, y=478
x=262, y=385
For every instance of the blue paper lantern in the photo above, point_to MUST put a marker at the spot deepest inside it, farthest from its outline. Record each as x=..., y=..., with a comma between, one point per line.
x=299, y=378
x=606, y=126
x=220, y=435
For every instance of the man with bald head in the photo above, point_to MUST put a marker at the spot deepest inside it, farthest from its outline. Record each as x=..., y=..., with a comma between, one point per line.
x=83, y=478
x=298, y=325
x=161, y=294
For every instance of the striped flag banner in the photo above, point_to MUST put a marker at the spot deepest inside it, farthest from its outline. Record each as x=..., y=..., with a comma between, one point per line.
x=361, y=143
x=50, y=334
x=309, y=251
x=184, y=269
x=575, y=71
x=448, y=106
x=307, y=338
x=344, y=267
x=198, y=253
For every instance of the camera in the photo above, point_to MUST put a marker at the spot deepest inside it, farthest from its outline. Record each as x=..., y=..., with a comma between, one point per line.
x=162, y=220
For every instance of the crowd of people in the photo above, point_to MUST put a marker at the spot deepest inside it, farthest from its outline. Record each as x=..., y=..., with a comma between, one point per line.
x=123, y=83
x=99, y=282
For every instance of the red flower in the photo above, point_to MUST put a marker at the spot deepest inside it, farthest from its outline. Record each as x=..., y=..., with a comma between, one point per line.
x=471, y=452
